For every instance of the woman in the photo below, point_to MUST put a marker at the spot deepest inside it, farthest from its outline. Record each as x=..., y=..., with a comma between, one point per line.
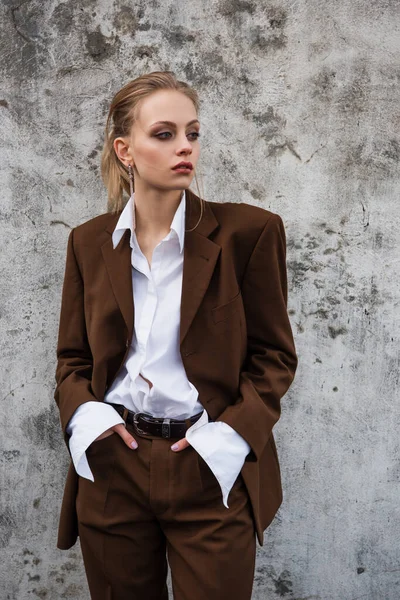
x=174, y=351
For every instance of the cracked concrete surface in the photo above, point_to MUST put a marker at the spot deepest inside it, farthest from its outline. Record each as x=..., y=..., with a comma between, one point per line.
x=300, y=115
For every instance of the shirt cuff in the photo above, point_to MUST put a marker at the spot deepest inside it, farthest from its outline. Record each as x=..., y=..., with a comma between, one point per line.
x=222, y=448
x=88, y=421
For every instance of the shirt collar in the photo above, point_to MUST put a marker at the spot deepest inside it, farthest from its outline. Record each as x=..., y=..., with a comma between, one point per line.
x=127, y=221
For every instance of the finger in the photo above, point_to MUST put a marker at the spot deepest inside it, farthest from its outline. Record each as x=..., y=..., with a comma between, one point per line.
x=126, y=436
x=103, y=435
x=180, y=445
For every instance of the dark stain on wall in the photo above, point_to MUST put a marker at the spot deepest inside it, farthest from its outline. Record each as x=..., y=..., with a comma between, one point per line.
x=348, y=301
x=8, y=524
x=353, y=95
x=263, y=39
x=147, y=52
x=216, y=68
x=276, y=16
x=144, y=26
x=375, y=159
x=378, y=240
x=43, y=429
x=99, y=46
x=271, y=37
x=269, y=122
x=62, y=17
x=230, y=8
x=334, y=332
x=367, y=149
x=9, y=455
x=49, y=280
x=323, y=85
x=228, y=162
x=369, y=297
x=283, y=585
x=257, y=194
x=347, y=90
x=260, y=38
x=246, y=85
x=26, y=18
x=298, y=271
x=178, y=36
x=125, y=21
x=27, y=42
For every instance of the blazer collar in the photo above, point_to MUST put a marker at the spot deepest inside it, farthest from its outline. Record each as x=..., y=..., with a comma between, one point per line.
x=192, y=214
x=127, y=220
x=200, y=256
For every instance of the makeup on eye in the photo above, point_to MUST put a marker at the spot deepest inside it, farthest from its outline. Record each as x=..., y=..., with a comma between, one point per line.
x=196, y=133
x=172, y=124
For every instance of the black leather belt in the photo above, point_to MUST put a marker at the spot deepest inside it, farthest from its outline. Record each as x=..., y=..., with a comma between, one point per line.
x=145, y=423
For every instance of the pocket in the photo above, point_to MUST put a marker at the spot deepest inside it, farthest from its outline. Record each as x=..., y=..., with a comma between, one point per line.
x=207, y=476
x=212, y=488
x=96, y=442
x=224, y=311
x=92, y=495
x=100, y=455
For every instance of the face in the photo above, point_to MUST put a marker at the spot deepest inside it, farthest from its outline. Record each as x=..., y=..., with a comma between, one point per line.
x=154, y=148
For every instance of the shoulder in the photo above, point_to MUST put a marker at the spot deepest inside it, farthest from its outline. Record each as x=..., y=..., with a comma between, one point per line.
x=94, y=229
x=243, y=216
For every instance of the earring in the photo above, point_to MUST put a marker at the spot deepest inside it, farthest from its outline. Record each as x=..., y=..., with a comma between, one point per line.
x=130, y=179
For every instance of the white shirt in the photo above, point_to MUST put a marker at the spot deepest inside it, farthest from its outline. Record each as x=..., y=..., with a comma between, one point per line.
x=155, y=354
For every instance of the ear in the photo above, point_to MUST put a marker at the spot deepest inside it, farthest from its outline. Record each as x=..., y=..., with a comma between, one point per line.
x=122, y=151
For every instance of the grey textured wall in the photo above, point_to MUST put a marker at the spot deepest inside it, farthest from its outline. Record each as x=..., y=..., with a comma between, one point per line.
x=300, y=115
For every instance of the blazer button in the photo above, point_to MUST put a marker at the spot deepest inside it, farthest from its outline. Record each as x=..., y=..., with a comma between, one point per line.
x=127, y=343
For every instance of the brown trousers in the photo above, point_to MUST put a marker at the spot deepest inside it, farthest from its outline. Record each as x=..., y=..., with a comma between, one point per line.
x=150, y=504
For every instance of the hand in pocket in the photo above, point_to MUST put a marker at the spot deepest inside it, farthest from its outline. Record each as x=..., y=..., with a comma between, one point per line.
x=122, y=432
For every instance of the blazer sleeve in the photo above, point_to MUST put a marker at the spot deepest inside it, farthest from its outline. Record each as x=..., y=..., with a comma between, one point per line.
x=271, y=360
x=74, y=359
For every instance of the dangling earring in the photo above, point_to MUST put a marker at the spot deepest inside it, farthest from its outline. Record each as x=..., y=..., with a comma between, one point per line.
x=130, y=179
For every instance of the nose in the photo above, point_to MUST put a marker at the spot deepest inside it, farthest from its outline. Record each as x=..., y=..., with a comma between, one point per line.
x=185, y=147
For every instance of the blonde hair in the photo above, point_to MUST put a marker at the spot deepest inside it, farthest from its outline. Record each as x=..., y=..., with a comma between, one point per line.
x=121, y=116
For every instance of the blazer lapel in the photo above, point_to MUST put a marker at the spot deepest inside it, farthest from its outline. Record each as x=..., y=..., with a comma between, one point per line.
x=199, y=260
x=119, y=269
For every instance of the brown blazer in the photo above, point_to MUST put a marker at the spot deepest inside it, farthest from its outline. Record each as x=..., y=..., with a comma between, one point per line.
x=236, y=340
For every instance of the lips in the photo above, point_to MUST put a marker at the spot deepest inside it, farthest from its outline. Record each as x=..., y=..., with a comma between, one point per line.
x=183, y=165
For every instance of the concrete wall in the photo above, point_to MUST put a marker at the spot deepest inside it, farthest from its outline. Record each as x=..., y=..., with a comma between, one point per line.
x=300, y=115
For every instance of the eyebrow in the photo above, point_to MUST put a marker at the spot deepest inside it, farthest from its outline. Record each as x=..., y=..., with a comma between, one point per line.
x=172, y=124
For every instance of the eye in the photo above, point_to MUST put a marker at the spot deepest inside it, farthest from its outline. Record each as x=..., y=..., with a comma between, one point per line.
x=163, y=133
x=159, y=135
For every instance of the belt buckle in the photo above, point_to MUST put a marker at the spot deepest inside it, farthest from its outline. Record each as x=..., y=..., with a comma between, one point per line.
x=166, y=428
x=136, y=421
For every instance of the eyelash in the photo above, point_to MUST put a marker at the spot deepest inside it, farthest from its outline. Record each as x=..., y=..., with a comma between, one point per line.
x=196, y=133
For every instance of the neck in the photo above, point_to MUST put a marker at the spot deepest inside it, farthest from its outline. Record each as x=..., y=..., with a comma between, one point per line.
x=155, y=210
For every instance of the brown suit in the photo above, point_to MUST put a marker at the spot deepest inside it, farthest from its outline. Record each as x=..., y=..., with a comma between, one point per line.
x=236, y=341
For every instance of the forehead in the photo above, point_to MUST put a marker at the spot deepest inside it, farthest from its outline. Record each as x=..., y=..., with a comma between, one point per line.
x=166, y=105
